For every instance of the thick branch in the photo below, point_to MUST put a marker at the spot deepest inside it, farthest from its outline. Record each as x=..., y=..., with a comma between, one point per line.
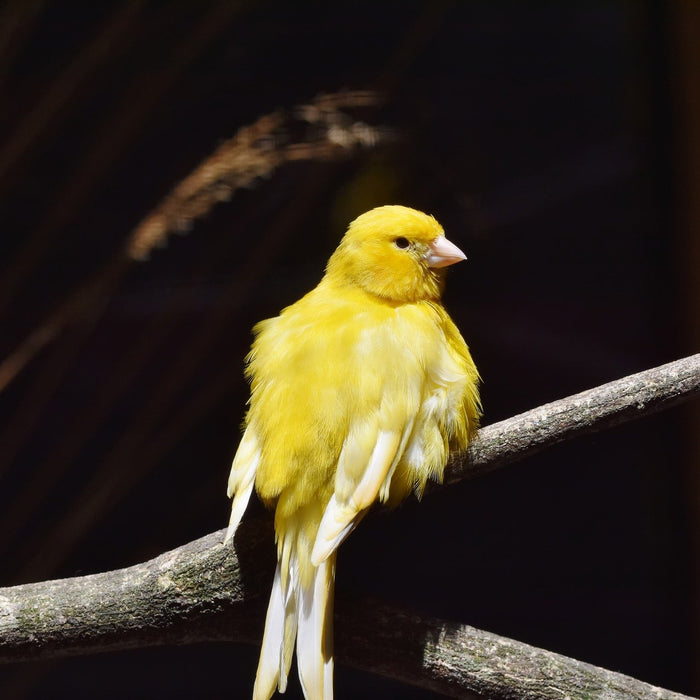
x=203, y=591
x=207, y=592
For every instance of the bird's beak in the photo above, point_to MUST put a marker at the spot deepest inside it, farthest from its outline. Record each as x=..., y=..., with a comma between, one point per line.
x=443, y=253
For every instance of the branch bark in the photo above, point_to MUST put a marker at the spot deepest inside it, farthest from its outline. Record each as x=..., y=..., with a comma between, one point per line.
x=205, y=592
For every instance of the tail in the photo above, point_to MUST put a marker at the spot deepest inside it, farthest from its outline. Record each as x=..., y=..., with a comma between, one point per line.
x=278, y=640
x=304, y=612
x=315, y=635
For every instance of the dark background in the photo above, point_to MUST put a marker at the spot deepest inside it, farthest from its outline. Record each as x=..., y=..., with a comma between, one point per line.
x=557, y=145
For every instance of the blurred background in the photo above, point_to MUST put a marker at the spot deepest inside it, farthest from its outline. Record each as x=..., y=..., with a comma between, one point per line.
x=559, y=146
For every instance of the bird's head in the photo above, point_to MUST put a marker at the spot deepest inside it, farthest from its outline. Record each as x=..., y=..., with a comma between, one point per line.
x=396, y=253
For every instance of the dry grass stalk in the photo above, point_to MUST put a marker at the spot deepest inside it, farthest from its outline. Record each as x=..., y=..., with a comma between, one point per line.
x=327, y=132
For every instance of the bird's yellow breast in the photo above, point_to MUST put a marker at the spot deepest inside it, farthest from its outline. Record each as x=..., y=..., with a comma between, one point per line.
x=339, y=353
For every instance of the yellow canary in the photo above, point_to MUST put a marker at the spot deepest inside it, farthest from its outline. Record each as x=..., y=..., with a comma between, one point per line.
x=359, y=391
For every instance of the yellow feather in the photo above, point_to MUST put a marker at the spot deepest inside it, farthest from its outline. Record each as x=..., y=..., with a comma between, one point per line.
x=359, y=391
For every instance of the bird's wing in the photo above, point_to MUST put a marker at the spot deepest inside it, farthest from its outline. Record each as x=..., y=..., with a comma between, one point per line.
x=242, y=479
x=367, y=461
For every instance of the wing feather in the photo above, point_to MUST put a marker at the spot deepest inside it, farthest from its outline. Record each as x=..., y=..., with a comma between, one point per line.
x=242, y=479
x=343, y=514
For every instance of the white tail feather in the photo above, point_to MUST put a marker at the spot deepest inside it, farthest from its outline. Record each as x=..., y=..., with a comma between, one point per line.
x=273, y=638
x=315, y=634
x=291, y=608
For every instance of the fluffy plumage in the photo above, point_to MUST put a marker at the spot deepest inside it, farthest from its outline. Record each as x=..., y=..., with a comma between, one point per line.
x=358, y=393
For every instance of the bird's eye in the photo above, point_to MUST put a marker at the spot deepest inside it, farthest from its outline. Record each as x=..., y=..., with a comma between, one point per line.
x=401, y=242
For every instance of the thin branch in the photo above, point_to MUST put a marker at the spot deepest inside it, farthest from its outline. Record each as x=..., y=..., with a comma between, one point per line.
x=590, y=411
x=204, y=592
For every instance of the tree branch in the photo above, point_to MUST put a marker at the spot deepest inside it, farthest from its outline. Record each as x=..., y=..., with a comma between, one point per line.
x=611, y=404
x=205, y=592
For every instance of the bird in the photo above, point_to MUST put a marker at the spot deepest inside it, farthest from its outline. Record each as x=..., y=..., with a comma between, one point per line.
x=359, y=392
